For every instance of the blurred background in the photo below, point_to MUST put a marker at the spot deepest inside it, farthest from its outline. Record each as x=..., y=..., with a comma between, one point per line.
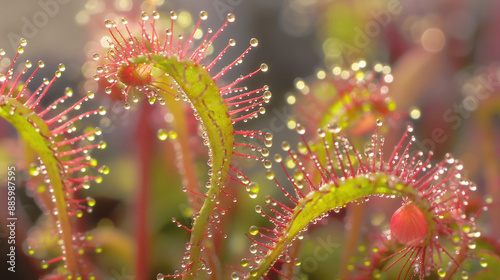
x=444, y=56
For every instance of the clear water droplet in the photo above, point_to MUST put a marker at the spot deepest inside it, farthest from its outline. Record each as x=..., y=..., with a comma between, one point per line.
x=254, y=230
x=254, y=42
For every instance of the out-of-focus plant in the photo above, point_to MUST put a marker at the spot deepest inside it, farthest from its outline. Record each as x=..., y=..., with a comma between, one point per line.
x=345, y=156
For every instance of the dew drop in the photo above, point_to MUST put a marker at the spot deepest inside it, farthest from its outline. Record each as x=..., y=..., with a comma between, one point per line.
x=203, y=15
x=466, y=228
x=379, y=122
x=33, y=170
x=79, y=213
x=441, y=272
x=144, y=16
x=285, y=146
x=172, y=134
x=334, y=127
x=278, y=158
x=232, y=42
x=98, y=179
x=108, y=23
x=268, y=143
x=270, y=174
x=173, y=15
x=23, y=42
x=44, y=264
x=483, y=262
x=102, y=111
x=152, y=100
x=254, y=42
x=472, y=244
x=254, y=230
x=267, y=95
x=162, y=134
x=91, y=201
x=102, y=145
x=159, y=276
x=264, y=67
x=104, y=170
x=449, y=159
x=253, y=189
x=244, y=262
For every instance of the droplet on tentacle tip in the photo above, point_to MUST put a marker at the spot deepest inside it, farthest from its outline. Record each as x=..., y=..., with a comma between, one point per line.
x=254, y=230
x=254, y=42
x=108, y=23
x=334, y=127
x=173, y=15
x=162, y=134
x=203, y=15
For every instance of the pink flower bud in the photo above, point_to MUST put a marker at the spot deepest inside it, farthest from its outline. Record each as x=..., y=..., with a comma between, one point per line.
x=408, y=225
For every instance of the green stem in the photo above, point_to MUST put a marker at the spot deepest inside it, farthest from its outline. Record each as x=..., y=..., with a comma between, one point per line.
x=198, y=86
x=330, y=197
x=36, y=133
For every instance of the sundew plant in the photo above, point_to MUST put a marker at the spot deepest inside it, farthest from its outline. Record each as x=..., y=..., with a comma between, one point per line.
x=308, y=140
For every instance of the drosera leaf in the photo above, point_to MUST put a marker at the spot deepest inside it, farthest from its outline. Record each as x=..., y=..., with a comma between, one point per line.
x=156, y=65
x=354, y=98
x=440, y=192
x=315, y=205
x=51, y=136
